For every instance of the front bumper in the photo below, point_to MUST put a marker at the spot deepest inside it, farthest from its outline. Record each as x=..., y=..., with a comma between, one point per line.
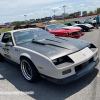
x=77, y=36
x=91, y=28
x=78, y=75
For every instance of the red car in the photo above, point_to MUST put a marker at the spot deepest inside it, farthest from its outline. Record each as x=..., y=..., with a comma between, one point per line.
x=58, y=31
x=5, y=26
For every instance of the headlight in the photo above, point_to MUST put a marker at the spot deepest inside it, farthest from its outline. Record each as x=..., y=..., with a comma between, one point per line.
x=54, y=61
x=62, y=60
x=91, y=46
x=67, y=34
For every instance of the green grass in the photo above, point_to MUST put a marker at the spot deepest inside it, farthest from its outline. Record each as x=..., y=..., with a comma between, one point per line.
x=5, y=29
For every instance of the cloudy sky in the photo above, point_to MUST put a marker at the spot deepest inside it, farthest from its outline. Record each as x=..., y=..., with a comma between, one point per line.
x=14, y=10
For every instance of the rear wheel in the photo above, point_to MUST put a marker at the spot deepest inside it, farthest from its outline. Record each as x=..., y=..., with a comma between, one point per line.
x=29, y=70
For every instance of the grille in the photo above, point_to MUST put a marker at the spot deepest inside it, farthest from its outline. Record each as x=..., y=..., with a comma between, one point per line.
x=84, y=65
x=75, y=33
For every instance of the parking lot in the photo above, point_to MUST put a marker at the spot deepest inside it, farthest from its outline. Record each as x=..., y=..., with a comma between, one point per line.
x=85, y=88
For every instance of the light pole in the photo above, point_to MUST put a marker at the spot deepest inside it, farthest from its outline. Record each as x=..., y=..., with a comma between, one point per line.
x=25, y=17
x=54, y=14
x=64, y=12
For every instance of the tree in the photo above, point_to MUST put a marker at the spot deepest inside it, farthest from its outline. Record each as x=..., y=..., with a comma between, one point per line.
x=90, y=13
x=95, y=11
x=98, y=10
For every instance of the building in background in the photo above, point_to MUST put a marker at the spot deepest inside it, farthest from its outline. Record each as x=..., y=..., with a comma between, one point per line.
x=32, y=20
x=84, y=13
x=77, y=13
x=48, y=18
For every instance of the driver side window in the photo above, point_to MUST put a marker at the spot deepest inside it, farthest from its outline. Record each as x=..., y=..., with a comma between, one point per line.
x=7, y=38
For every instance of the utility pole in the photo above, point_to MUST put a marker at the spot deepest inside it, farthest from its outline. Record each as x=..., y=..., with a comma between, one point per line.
x=25, y=17
x=54, y=14
x=64, y=12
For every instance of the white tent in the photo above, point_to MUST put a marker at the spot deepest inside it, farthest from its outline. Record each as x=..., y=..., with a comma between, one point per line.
x=53, y=21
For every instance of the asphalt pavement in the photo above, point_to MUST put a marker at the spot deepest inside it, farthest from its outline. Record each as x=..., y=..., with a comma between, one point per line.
x=85, y=88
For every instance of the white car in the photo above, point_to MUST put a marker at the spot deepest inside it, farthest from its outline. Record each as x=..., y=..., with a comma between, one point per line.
x=68, y=27
x=39, y=53
x=84, y=26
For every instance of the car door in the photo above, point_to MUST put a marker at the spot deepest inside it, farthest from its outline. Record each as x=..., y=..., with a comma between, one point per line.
x=7, y=51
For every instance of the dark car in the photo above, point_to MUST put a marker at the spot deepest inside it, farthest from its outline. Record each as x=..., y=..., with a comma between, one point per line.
x=90, y=21
x=24, y=26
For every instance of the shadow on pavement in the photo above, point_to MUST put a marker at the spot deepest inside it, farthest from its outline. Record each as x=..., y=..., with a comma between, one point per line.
x=89, y=30
x=43, y=89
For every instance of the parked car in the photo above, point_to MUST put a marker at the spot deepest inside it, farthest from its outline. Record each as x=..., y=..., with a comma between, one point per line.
x=90, y=21
x=85, y=27
x=69, y=27
x=41, y=54
x=25, y=26
x=5, y=26
x=58, y=31
x=46, y=22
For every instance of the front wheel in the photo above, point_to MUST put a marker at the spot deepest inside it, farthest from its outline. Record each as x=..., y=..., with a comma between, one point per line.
x=29, y=70
x=86, y=30
x=1, y=58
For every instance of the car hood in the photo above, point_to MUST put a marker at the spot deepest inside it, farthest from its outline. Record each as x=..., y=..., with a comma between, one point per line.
x=71, y=27
x=62, y=31
x=87, y=25
x=55, y=47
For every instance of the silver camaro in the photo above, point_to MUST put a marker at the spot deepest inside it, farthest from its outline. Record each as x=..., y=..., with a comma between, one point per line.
x=41, y=54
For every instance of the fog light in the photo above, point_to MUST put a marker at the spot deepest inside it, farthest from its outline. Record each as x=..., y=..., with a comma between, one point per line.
x=66, y=71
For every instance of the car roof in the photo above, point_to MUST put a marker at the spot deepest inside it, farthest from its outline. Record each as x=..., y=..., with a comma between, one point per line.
x=20, y=30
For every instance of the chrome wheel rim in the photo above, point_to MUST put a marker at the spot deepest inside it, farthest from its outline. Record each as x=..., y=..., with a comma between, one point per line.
x=26, y=70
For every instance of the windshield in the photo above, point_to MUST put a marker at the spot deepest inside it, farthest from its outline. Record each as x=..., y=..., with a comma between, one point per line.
x=89, y=20
x=61, y=25
x=53, y=27
x=73, y=23
x=29, y=34
x=82, y=22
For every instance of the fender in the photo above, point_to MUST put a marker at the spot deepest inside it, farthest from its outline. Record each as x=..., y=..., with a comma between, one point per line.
x=25, y=55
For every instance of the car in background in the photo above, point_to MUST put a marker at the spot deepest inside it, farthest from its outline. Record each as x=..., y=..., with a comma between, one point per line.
x=5, y=26
x=58, y=31
x=24, y=26
x=41, y=54
x=46, y=22
x=85, y=27
x=90, y=21
x=69, y=27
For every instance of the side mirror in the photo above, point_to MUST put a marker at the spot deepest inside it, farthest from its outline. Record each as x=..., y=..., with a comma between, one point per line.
x=9, y=44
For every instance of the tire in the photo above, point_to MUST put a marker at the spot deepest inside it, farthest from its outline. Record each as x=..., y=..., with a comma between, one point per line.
x=86, y=30
x=1, y=58
x=29, y=70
